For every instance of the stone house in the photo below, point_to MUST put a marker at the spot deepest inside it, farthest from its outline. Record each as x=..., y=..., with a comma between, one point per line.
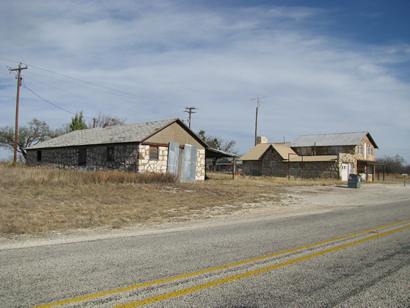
x=321, y=155
x=158, y=146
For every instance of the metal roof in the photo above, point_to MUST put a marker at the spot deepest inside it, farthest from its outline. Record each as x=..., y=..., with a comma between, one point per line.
x=112, y=134
x=284, y=150
x=256, y=152
x=332, y=139
x=215, y=153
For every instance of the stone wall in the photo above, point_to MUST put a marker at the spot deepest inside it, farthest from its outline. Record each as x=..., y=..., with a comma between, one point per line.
x=124, y=157
x=272, y=164
x=347, y=158
x=131, y=157
x=322, y=169
x=145, y=164
x=251, y=167
x=200, y=165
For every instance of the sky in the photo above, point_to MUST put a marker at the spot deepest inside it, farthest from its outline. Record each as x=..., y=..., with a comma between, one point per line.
x=318, y=66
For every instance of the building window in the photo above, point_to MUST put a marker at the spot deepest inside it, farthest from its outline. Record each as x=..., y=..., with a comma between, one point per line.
x=369, y=150
x=153, y=153
x=82, y=157
x=38, y=155
x=110, y=153
x=359, y=149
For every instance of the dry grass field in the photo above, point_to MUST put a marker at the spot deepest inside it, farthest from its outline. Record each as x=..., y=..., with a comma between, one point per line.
x=37, y=200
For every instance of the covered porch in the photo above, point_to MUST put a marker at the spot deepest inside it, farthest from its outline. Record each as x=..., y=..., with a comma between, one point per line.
x=370, y=170
x=220, y=161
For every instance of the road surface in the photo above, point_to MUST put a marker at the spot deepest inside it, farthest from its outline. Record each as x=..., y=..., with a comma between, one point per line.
x=348, y=257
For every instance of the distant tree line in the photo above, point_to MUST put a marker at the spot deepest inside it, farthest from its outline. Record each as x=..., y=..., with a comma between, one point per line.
x=395, y=164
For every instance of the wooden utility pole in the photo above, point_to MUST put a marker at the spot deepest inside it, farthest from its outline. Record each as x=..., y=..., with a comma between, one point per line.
x=257, y=99
x=190, y=111
x=17, y=69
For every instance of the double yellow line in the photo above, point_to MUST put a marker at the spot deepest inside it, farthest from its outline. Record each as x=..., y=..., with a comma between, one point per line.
x=247, y=274
x=232, y=265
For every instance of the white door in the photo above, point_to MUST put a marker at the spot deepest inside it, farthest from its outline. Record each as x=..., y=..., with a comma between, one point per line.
x=344, y=171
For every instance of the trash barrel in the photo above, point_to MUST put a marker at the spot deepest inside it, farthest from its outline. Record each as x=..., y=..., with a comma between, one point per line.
x=353, y=181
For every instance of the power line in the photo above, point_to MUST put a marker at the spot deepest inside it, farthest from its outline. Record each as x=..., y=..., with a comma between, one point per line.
x=46, y=100
x=85, y=82
x=81, y=81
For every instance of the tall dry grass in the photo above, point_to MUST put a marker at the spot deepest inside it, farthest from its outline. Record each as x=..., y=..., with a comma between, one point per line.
x=38, y=199
x=22, y=175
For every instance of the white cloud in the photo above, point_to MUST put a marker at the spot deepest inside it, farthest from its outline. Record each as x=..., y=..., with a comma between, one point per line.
x=170, y=55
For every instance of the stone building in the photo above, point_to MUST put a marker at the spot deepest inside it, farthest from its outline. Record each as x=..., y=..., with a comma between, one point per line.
x=159, y=146
x=321, y=155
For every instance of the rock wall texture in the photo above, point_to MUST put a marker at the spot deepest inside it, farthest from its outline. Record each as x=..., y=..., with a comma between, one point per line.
x=130, y=157
x=348, y=158
x=124, y=157
x=145, y=164
x=200, y=165
x=272, y=164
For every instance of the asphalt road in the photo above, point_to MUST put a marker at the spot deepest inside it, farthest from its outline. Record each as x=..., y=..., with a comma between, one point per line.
x=331, y=259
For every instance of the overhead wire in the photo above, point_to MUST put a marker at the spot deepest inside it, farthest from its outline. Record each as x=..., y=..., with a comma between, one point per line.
x=81, y=81
x=46, y=100
x=87, y=82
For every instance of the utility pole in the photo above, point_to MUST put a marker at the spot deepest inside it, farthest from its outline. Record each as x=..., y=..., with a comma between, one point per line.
x=257, y=99
x=190, y=111
x=17, y=69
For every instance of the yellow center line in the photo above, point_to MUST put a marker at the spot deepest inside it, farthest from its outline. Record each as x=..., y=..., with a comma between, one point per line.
x=133, y=287
x=259, y=271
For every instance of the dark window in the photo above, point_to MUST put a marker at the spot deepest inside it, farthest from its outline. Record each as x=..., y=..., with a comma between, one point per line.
x=110, y=153
x=153, y=153
x=38, y=155
x=82, y=157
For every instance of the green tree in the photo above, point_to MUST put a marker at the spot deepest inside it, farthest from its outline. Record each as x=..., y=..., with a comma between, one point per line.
x=36, y=131
x=77, y=122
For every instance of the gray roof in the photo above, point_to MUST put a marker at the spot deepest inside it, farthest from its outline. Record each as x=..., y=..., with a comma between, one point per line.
x=211, y=152
x=332, y=139
x=113, y=134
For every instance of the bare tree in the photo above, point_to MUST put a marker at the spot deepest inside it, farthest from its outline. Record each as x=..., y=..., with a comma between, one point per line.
x=103, y=120
x=36, y=131
x=218, y=143
x=393, y=164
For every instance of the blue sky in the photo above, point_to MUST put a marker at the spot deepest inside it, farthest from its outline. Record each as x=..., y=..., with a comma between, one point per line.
x=321, y=66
